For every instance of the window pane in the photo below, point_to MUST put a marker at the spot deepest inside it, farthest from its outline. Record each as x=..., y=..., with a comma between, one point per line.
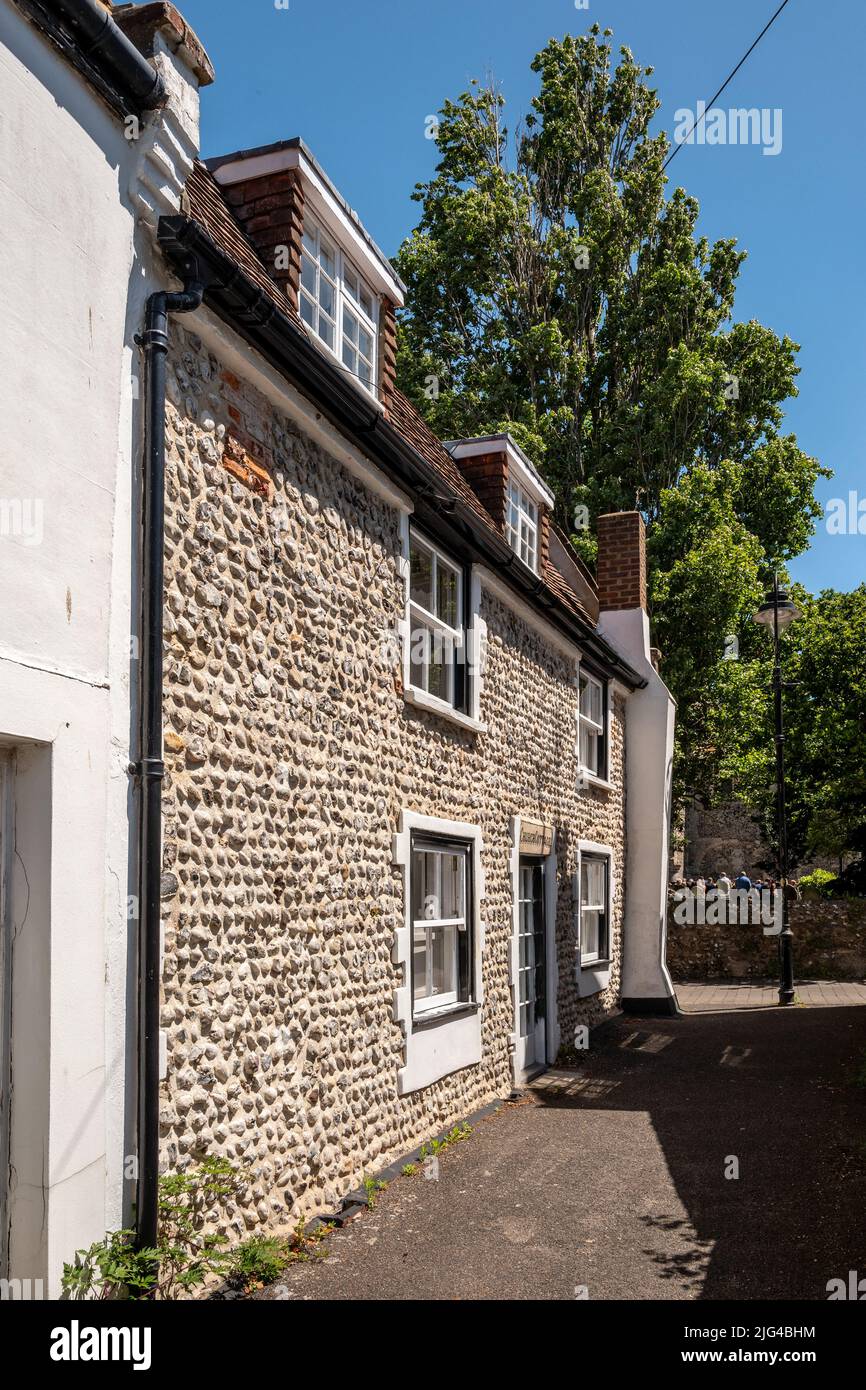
x=593, y=750
x=421, y=575
x=443, y=960
x=446, y=594
x=326, y=296
x=326, y=330
x=441, y=671
x=349, y=356
x=308, y=312
x=425, y=887
x=326, y=257
x=351, y=281
x=584, y=695
x=592, y=883
x=589, y=749
x=366, y=301
x=589, y=944
x=420, y=644
x=419, y=962
x=452, y=885
x=308, y=275
x=595, y=698
x=310, y=242
x=350, y=326
x=365, y=342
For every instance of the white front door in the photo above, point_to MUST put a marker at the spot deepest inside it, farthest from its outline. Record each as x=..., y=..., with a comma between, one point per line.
x=532, y=967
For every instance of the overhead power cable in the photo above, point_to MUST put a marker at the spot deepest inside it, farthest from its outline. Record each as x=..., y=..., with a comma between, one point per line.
x=729, y=78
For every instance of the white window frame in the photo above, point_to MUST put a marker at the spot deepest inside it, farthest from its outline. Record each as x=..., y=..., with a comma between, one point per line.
x=585, y=775
x=344, y=300
x=522, y=524
x=439, y=846
x=447, y=1039
x=592, y=973
x=599, y=909
x=421, y=619
x=473, y=639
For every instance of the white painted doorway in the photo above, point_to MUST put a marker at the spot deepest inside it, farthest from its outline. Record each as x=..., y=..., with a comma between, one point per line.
x=531, y=965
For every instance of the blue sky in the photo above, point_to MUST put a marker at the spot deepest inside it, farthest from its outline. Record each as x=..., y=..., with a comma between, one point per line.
x=357, y=80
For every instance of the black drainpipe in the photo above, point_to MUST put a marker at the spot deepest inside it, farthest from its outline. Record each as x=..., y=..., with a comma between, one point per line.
x=149, y=770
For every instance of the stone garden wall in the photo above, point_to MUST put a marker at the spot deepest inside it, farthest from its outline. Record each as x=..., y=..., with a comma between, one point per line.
x=290, y=754
x=829, y=944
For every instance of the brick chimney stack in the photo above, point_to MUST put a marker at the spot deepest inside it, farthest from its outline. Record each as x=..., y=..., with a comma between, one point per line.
x=621, y=563
x=270, y=208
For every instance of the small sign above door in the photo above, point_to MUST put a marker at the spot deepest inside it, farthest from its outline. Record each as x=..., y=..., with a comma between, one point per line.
x=535, y=839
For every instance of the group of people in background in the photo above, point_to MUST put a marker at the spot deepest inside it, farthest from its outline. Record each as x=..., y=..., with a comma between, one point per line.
x=712, y=885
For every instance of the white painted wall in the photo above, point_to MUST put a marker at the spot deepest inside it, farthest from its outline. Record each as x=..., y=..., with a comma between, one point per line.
x=649, y=746
x=79, y=205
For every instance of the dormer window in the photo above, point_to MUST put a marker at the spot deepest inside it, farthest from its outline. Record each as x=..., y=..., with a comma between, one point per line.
x=522, y=524
x=513, y=491
x=338, y=305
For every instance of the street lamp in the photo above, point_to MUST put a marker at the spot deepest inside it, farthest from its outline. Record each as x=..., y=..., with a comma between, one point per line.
x=777, y=612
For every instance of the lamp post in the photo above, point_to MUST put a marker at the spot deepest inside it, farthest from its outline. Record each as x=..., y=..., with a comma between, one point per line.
x=777, y=612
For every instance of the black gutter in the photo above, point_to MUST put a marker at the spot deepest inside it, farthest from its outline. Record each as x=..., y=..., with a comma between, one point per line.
x=247, y=307
x=93, y=43
x=150, y=768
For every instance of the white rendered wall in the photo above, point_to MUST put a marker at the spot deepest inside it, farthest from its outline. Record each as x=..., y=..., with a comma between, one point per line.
x=79, y=202
x=649, y=747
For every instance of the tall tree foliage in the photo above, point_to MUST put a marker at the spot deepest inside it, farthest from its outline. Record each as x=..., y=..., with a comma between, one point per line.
x=558, y=290
x=824, y=668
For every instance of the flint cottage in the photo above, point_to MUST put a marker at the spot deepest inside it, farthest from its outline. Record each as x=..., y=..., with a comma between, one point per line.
x=381, y=766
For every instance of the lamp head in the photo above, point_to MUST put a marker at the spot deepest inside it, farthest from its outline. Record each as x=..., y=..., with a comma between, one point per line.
x=787, y=609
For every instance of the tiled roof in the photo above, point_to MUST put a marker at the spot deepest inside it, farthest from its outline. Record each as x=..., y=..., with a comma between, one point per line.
x=207, y=206
x=415, y=430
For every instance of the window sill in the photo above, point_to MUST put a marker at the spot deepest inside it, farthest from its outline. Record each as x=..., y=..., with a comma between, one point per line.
x=592, y=978
x=421, y=700
x=450, y=1011
x=590, y=779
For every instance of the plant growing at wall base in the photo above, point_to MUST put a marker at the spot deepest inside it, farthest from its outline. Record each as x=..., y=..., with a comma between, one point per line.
x=184, y=1257
x=111, y=1269
x=372, y=1187
x=434, y=1147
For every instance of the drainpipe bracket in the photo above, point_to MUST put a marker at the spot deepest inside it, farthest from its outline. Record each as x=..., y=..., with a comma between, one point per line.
x=152, y=769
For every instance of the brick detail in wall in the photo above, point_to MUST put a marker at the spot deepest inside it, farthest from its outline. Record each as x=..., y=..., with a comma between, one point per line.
x=271, y=211
x=487, y=475
x=544, y=537
x=387, y=367
x=621, y=565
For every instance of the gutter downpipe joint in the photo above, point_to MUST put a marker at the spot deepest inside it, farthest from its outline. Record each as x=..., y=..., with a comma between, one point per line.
x=150, y=767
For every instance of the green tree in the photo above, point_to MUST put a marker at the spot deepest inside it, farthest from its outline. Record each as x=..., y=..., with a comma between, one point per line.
x=556, y=291
x=824, y=667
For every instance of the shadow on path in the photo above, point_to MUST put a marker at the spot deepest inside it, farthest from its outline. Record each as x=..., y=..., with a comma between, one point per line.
x=608, y=1181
